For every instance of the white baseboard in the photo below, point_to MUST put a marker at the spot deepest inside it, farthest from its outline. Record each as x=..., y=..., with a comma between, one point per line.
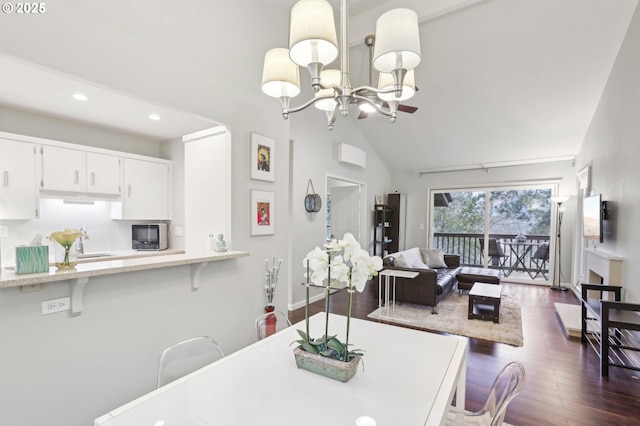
x=312, y=299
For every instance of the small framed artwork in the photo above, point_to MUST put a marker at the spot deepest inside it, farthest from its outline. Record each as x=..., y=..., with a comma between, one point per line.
x=262, y=212
x=262, y=158
x=584, y=180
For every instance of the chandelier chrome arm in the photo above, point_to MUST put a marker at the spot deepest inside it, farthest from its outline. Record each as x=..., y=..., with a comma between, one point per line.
x=286, y=109
x=343, y=100
x=376, y=90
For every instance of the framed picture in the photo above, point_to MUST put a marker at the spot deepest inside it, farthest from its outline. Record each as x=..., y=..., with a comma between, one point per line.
x=262, y=158
x=262, y=212
x=584, y=180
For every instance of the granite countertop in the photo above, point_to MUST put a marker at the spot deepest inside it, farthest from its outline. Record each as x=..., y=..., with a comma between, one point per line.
x=114, y=263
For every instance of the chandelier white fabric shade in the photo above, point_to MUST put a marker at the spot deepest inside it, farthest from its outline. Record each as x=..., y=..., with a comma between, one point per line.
x=312, y=35
x=331, y=79
x=397, y=41
x=385, y=82
x=280, y=76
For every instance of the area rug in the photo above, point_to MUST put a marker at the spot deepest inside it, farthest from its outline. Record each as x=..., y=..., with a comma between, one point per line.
x=452, y=318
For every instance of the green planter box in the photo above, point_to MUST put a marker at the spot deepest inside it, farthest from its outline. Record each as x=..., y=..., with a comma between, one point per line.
x=328, y=367
x=32, y=259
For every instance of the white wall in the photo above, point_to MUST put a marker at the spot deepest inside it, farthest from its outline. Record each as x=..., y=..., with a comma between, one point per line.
x=314, y=157
x=417, y=189
x=611, y=149
x=207, y=188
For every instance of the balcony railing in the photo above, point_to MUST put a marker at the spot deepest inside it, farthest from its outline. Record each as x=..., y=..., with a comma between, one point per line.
x=467, y=246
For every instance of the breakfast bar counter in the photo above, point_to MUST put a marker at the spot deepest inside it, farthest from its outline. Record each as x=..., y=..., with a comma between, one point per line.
x=78, y=277
x=114, y=265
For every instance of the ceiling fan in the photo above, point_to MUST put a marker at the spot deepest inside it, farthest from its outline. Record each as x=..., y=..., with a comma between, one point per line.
x=391, y=102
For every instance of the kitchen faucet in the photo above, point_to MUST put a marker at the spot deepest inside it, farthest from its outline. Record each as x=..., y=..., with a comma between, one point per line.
x=81, y=241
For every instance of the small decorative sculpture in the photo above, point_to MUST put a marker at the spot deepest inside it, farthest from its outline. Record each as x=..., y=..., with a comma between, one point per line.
x=221, y=245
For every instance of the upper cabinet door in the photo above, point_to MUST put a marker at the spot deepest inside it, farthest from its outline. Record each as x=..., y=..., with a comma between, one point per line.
x=146, y=190
x=103, y=174
x=18, y=188
x=63, y=169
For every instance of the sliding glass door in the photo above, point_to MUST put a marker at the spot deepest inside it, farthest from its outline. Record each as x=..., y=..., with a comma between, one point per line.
x=503, y=228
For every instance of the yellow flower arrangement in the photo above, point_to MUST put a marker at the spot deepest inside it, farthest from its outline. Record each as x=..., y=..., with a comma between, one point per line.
x=66, y=239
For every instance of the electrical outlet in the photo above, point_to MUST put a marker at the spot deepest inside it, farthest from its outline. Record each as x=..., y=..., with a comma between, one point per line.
x=4, y=231
x=56, y=305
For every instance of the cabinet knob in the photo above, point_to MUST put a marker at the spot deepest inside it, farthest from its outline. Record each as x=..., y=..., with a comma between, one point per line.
x=76, y=176
x=93, y=178
x=6, y=178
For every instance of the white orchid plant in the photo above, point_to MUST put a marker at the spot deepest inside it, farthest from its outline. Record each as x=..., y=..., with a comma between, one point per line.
x=342, y=262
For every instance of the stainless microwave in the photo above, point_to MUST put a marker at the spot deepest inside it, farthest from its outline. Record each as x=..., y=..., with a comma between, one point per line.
x=151, y=236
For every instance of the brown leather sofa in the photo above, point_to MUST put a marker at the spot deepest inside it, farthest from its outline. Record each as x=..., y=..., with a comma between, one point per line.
x=429, y=287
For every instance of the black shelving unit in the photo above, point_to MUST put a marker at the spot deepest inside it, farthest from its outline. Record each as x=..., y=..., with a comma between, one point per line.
x=383, y=230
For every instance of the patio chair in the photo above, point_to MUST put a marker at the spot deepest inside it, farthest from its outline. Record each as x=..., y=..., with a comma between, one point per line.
x=496, y=255
x=540, y=258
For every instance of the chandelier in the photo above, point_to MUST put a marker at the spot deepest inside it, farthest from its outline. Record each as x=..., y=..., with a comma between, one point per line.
x=313, y=44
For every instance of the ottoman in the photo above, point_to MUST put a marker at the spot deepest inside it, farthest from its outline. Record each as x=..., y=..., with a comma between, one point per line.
x=468, y=275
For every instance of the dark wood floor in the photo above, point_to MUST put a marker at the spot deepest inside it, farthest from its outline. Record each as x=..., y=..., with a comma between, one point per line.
x=563, y=385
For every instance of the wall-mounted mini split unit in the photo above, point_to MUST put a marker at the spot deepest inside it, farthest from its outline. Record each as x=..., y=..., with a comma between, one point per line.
x=352, y=155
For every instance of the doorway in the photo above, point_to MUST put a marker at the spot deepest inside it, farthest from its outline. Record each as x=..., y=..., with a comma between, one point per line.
x=344, y=207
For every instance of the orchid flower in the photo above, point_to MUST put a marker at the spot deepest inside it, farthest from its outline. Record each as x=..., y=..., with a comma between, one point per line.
x=342, y=261
x=317, y=261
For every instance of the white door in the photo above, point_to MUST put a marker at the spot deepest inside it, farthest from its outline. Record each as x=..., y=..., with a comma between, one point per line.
x=345, y=211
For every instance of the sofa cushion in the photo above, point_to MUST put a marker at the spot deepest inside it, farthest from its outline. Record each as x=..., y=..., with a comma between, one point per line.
x=433, y=258
x=410, y=259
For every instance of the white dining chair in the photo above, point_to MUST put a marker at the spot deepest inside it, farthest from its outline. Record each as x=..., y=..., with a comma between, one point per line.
x=271, y=322
x=508, y=384
x=187, y=356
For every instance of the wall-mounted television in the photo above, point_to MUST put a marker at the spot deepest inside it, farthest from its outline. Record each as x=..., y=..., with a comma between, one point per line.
x=592, y=217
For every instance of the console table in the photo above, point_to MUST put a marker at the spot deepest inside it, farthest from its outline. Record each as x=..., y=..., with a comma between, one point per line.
x=386, y=273
x=611, y=328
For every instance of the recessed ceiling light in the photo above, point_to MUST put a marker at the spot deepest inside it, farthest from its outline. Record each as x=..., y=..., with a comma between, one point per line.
x=80, y=97
x=154, y=117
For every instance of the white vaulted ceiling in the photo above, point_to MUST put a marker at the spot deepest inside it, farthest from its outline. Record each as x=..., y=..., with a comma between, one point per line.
x=501, y=81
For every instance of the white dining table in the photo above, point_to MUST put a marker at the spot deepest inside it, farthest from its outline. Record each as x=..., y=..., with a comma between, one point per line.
x=409, y=378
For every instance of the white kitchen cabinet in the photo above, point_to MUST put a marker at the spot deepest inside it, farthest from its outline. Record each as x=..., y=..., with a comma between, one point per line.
x=18, y=181
x=79, y=172
x=103, y=174
x=63, y=169
x=146, y=192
